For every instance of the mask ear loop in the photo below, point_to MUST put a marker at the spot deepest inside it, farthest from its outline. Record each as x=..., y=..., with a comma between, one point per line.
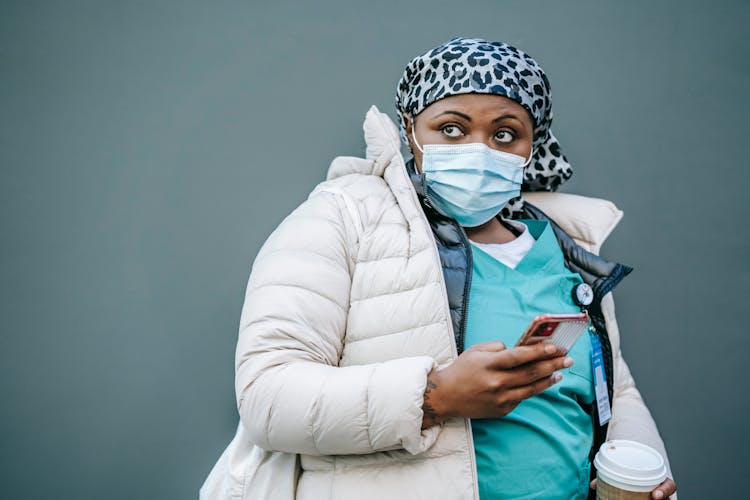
x=414, y=135
x=531, y=155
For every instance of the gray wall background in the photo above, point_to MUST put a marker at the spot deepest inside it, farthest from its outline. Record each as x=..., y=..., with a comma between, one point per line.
x=147, y=149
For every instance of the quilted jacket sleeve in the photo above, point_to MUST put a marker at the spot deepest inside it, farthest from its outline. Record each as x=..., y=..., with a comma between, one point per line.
x=291, y=394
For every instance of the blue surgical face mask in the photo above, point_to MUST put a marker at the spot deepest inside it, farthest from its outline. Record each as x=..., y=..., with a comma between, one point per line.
x=470, y=183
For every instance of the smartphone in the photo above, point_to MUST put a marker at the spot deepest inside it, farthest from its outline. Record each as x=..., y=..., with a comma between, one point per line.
x=561, y=330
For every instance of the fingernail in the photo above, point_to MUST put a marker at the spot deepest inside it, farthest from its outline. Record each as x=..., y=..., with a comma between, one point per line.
x=549, y=349
x=568, y=362
x=658, y=495
x=557, y=377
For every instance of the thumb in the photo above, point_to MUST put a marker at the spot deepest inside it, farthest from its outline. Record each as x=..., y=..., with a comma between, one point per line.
x=494, y=346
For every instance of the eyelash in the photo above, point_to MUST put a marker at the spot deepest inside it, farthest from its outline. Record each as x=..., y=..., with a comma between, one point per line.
x=509, y=132
x=448, y=126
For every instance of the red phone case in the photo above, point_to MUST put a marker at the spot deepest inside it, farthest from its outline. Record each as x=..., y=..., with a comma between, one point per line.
x=561, y=330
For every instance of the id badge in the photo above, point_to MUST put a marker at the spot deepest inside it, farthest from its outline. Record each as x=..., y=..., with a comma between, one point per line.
x=600, y=380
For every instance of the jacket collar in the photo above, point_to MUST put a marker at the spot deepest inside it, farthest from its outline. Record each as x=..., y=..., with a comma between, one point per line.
x=417, y=179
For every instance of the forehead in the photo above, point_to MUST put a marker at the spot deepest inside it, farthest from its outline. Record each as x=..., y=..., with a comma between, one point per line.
x=478, y=106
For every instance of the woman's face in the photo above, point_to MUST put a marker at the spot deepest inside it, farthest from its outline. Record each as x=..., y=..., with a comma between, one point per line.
x=497, y=121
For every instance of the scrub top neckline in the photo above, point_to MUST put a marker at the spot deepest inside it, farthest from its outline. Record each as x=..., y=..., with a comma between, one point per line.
x=535, y=261
x=511, y=252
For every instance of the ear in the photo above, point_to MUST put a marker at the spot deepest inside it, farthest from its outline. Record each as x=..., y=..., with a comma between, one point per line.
x=407, y=122
x=412, y=147
x=407, y=127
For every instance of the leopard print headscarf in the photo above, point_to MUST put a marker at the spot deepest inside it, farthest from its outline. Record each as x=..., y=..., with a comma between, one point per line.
x=471, y=65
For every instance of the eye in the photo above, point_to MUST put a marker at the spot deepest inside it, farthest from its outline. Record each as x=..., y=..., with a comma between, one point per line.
x=504, y=136
x=451, y=131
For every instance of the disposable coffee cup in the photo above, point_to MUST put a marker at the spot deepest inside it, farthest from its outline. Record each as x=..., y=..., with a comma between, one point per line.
x=627, y=470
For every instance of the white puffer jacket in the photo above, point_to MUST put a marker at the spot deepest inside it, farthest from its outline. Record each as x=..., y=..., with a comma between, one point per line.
x=345, y=315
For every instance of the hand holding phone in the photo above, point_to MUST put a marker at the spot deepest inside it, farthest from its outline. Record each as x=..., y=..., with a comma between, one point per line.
x=561, y=330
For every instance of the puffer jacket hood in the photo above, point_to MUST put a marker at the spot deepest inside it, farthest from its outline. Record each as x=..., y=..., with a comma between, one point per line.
x=383, y=143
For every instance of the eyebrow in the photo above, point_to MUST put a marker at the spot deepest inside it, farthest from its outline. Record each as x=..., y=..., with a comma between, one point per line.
x=503, y=117
x=465, y=117
x=468, y=118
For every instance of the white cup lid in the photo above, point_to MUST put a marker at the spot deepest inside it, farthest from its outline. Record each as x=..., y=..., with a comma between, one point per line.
x=624, y=462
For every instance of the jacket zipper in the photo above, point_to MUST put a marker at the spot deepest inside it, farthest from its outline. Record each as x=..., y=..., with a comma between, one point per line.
x=455, y=341
x=467, y=288
x=467, y=281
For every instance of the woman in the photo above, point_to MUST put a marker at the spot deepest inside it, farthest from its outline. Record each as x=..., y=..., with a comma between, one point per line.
x=374, y=357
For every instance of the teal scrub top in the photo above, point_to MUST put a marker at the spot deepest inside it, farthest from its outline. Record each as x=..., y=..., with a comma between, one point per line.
x=540, y=449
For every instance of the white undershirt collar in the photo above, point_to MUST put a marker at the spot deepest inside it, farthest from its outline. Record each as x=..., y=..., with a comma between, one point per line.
x=512, y=252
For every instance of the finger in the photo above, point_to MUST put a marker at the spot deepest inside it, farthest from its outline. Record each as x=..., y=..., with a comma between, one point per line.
x=664, y=489
x=592, y=484
x=516, y=356
x=531, y=372
x=527, y=391
x=495, y=346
